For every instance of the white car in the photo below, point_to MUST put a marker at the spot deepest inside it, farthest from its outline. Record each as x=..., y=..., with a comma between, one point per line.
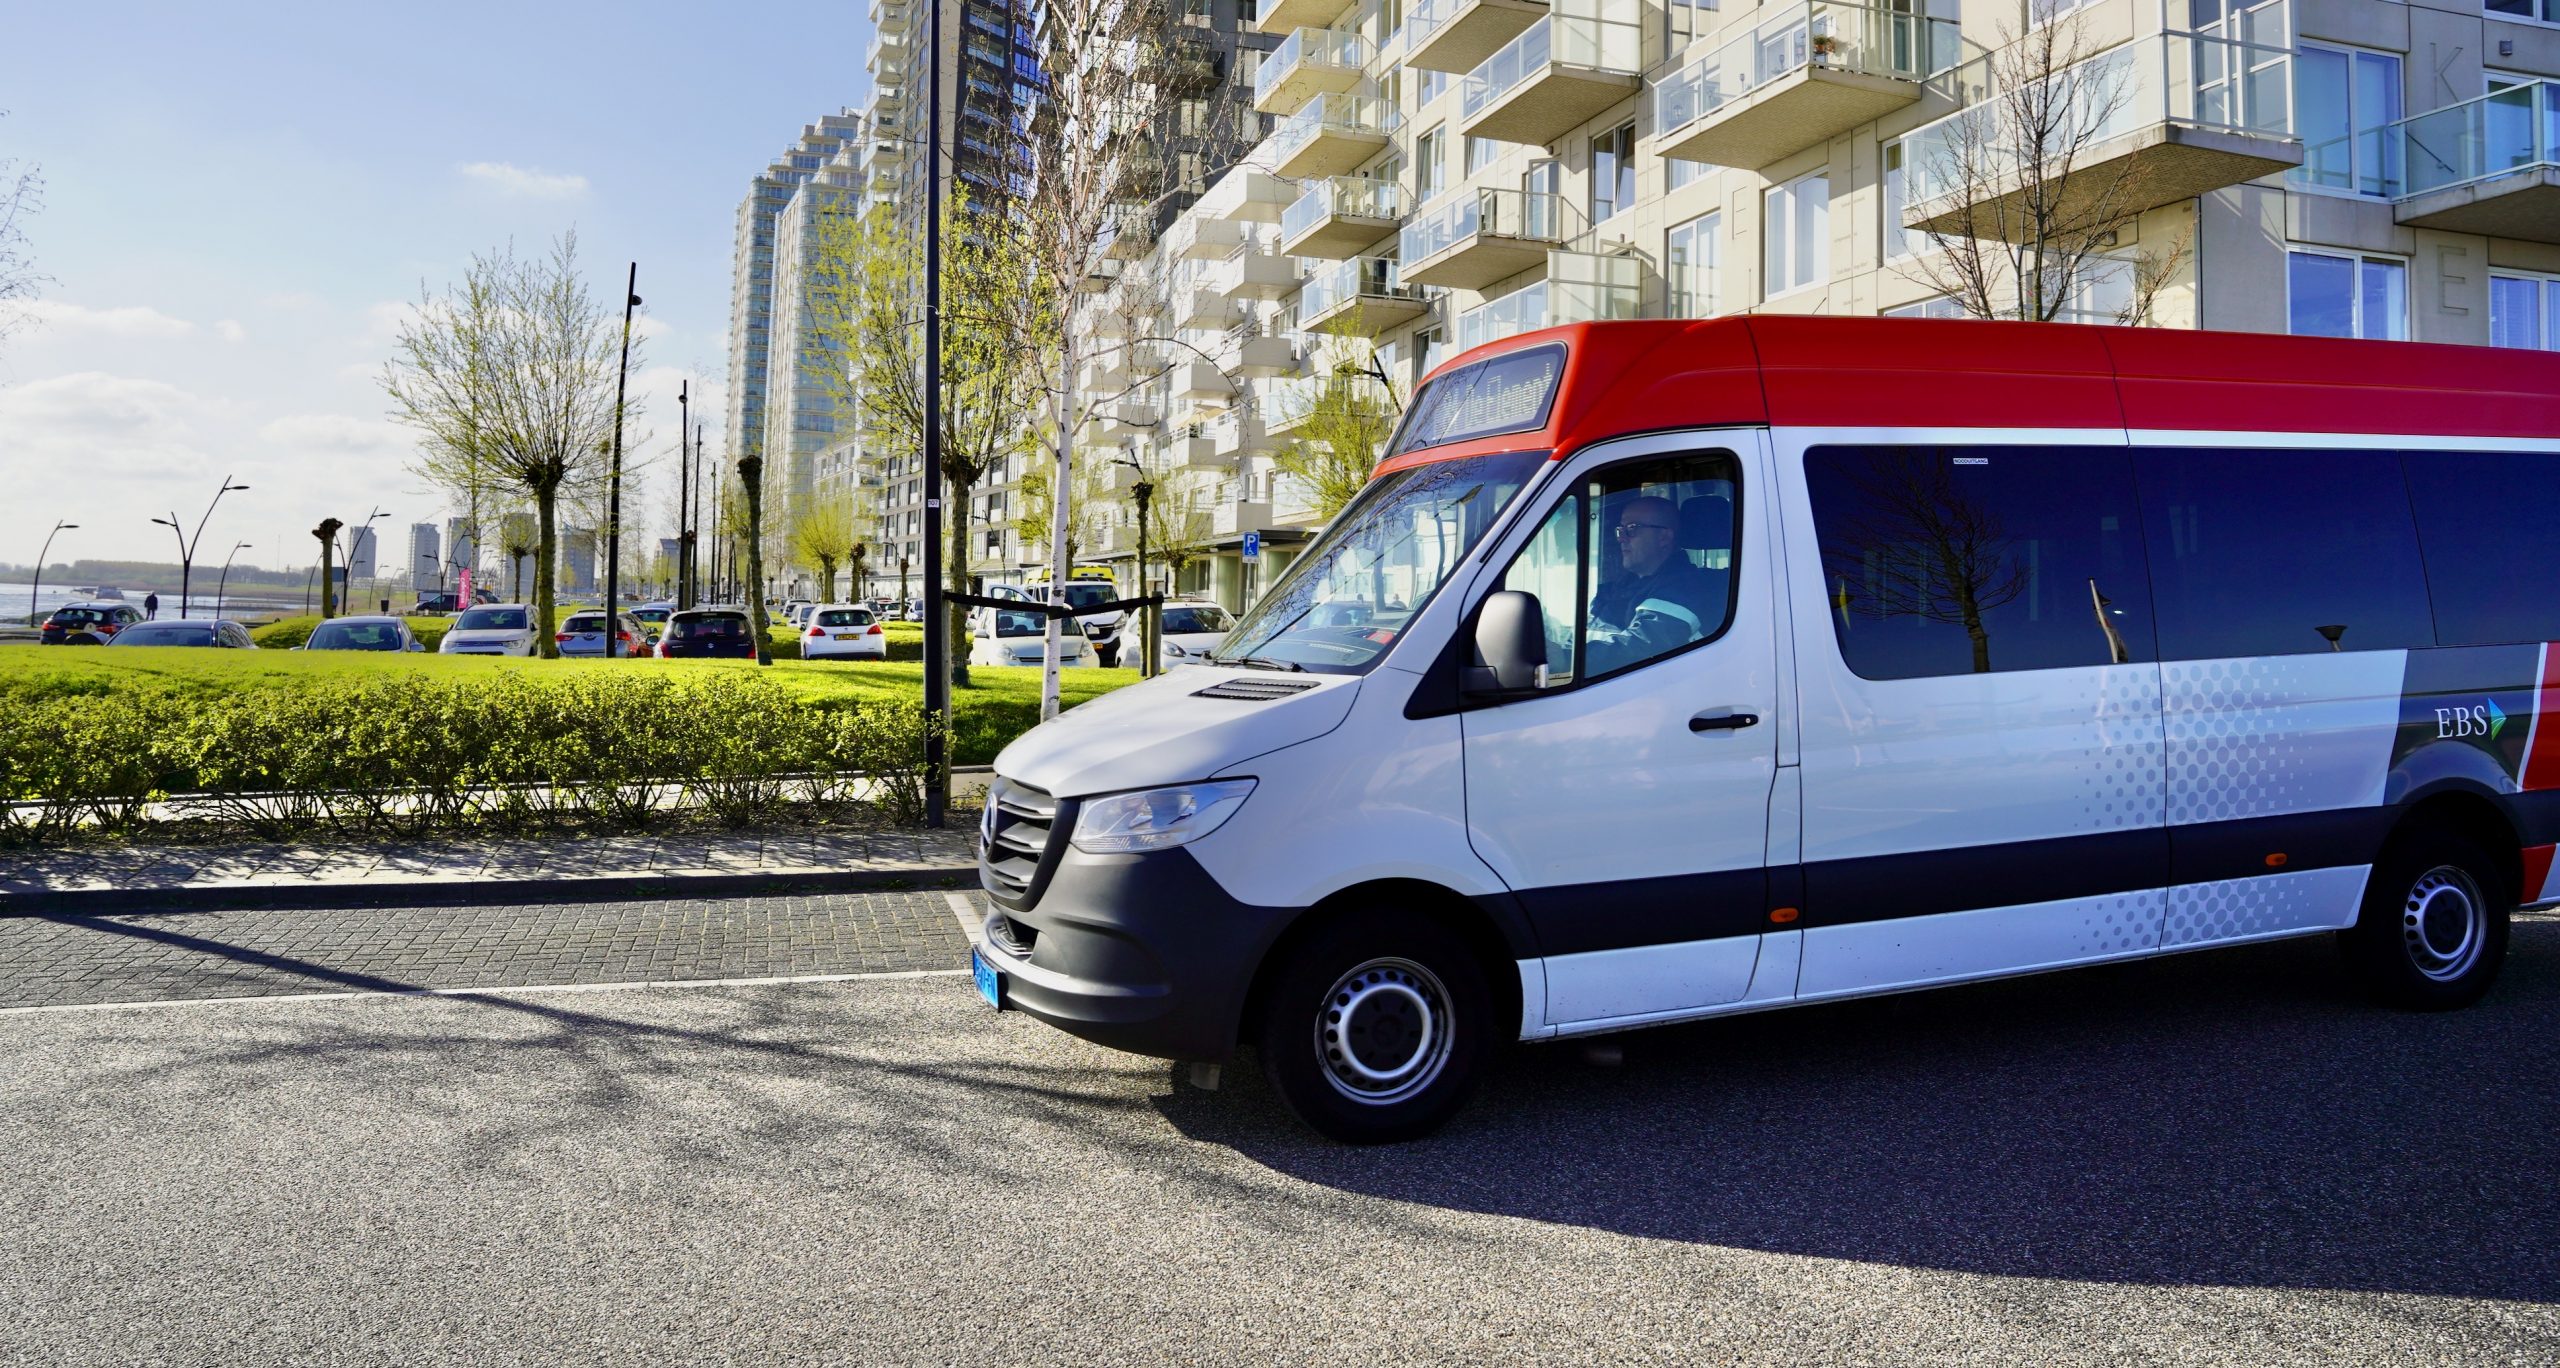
x=491, y=629
x=843, y=631
x=1006, y=636
x=1191, y=629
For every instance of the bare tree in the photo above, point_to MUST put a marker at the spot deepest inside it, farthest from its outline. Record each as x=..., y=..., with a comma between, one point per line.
x=1922, y=548
x=2032, y=219
x=21, y=198
x=512, y=369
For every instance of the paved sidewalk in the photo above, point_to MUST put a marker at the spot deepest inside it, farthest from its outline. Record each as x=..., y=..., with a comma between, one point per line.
x=278, y=874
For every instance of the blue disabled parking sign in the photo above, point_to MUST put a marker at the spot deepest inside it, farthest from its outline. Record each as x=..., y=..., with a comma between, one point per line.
x=1253, y=546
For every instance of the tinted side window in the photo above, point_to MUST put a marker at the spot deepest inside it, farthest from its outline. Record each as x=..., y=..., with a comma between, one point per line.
x=1967, y=560
x=2485, y=520
x=2282, y=553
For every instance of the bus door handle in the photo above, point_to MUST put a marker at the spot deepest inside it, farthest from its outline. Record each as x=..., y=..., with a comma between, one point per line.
x=1707, y=722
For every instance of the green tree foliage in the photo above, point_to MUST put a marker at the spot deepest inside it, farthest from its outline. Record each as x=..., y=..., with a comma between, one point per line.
x=1351, y=413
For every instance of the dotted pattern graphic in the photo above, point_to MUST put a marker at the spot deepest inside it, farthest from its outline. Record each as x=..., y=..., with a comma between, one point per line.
x=2120, y=775
x=2280, y=734
x=2119, y=924
x=2235, y=908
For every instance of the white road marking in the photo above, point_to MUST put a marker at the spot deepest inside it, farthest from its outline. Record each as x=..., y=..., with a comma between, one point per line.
x=485, y=992
x=971, y=924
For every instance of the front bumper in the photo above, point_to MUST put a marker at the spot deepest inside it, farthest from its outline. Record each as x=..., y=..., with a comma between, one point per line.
x=1144, y=953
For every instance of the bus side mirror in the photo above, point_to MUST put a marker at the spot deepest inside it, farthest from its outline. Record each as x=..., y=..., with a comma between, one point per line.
x=1511, y=647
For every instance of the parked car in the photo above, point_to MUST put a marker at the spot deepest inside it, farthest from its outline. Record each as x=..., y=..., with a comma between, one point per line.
x=653, y=620
x=491, y=629
x=708, y=634
x=1192, y=628
x=222, y=632
x=437, y=602
x=1011, y=636
x=362, y=634
x=88, y=624
x=843, y=631
x=790, y=610
x=583, y=635
x=1102, y=628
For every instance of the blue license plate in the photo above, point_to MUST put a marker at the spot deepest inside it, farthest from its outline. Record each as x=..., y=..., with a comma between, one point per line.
x=990, y=983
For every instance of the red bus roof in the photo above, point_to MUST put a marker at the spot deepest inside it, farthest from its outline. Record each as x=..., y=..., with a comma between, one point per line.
x=1795, y=371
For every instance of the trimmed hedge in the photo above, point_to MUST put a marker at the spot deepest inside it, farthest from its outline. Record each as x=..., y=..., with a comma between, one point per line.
x=405, y=755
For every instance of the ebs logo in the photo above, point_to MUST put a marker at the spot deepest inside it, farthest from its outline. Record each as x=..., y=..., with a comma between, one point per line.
x=2485, y=720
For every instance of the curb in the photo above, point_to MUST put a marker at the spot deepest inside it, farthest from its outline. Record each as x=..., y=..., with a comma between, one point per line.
x=483, y=892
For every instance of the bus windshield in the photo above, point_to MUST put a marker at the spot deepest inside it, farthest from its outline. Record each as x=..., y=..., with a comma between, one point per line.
x=1342, y=604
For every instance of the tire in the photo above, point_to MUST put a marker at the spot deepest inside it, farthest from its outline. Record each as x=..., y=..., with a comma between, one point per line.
x=2433, y=932
x=1375, y=1027
x=84, y=639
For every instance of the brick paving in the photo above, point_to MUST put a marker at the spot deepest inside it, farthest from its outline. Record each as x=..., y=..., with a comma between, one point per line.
x=58, y=959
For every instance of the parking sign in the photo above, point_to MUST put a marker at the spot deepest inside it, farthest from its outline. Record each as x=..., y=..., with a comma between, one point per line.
x=1252, y=547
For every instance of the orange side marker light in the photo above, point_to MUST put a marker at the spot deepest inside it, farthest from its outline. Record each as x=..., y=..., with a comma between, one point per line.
x=1783, y=915
x=2275, y=859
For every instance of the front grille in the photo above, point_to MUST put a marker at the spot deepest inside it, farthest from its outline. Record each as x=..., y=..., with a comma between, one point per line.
x=1018, y=841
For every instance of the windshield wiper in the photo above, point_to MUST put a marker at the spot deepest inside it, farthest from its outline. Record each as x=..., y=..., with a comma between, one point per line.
x=1264, y=663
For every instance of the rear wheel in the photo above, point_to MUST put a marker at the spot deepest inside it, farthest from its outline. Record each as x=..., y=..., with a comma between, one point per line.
x=2433, y=932
x=1374, y=1028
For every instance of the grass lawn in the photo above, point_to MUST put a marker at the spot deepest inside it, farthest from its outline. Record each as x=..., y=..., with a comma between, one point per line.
x=1001, y=703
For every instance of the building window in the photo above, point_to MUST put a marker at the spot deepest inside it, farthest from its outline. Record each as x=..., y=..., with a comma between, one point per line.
x=1480, y=154
x=1678, y=174
x=2330, y=294
x=1797, y=227
x=1684, y=20
x=2341, y=100
x=1944, y=306
x=1690, y=257
x=1429, y=167
x=1899, y=241
x=2524, y=311
x=2548, y=11
x=1613, y=173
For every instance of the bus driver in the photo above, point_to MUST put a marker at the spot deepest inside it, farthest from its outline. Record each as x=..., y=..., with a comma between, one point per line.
x=1657, y=601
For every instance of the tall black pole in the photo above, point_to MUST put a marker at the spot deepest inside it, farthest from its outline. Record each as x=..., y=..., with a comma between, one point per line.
x=613, y=504
x=937, y=671
x=684, y=474
x=693, y=523
x=38, y=586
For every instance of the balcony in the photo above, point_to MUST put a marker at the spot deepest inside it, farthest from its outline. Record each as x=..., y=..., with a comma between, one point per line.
x=1127, y=232
x=1479, y=237
x=1196, y=381
x=2489, y=166
x=1456, y=36
x=1190, y=447
x=1252, y=350
x=887, y=53
x=1283, y=16
x=1337, y=218
x=1580, y=288
x=1360, y=297
x=1308, y=63
x=1202, y=307
x=1128, y=418
x=1237, y=435
x=1200, y=238
x=2190, y=114
x=1257, y=272
x=1557, y=75
x=1331, y=135
x=1235, y=518
x=1245, y=195
x=1798, y=78
x=892, y=16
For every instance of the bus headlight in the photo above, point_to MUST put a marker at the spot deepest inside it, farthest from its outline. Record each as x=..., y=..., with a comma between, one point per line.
x=1157, y=819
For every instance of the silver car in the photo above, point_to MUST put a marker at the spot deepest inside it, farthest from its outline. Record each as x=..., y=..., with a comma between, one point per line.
x=362, y=634
x=583, y=635
x=491, y=629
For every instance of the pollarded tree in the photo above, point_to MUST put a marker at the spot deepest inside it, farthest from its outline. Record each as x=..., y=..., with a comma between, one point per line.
x=2031, y=223
x=1351, y=412
x=822, y=537
x=514, y=367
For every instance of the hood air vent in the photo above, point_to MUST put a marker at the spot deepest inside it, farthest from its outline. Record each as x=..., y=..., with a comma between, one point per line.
x=1255, y=690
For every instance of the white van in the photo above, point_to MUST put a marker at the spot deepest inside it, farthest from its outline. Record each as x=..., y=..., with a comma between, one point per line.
x=1670, y=669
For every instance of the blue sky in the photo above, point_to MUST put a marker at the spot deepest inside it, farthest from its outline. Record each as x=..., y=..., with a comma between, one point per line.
x=240, y=197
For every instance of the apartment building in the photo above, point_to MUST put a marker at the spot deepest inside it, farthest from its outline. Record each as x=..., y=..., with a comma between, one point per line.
x=752, y=291
x=1449, y=172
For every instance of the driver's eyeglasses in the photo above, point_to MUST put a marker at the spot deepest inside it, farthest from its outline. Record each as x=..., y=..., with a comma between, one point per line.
x=1629, y=529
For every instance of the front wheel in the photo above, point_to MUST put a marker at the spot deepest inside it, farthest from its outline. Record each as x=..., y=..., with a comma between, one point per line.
x=1374, y=1028
x=2433, y=931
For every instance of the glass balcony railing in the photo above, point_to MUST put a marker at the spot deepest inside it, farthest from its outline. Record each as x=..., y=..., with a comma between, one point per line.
x=1338, y=283
x=1340, y=49
x=1341, y=197
x=1536, y=217
x=1842, y=37
x=1580, y=288
x=1578, y=40
x=1347, y=115
x=2198, y=80
x=2514, y=129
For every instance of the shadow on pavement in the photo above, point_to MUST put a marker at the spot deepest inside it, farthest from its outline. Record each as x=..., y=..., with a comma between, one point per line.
x=2233, y=1118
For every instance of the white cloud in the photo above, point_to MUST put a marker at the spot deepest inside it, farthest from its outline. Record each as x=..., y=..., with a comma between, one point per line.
x=106, y=426
x=337, y=438
x=517, y=180
x=132, y=321
x=229, y=330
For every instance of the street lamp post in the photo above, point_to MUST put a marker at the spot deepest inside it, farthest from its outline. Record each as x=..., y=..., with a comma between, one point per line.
x=684, y=486
x=613, y=499
x=224, y=584
x=1144, y=490
x=32, y=589
x=187, y=545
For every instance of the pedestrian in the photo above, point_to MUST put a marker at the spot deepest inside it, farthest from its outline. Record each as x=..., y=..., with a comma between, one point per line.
x=151, y=605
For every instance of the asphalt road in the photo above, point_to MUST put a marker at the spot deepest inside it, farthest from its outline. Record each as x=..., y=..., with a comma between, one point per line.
x=2215, y=1159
